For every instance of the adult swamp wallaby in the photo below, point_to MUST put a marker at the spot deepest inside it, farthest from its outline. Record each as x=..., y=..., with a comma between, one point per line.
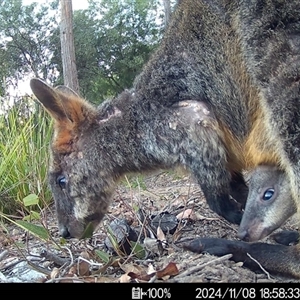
x=230, y=66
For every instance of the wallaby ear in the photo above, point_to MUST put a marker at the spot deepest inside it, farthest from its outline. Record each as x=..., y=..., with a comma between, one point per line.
x=49, y=98
x=66, y=90
x=62, y=103
x=67, y=109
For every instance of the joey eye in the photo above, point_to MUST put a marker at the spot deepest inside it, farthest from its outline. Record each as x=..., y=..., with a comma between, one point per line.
x=62, y=181
x=268, y=194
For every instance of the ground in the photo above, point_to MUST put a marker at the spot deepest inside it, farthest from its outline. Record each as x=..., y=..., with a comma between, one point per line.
x=24, y=257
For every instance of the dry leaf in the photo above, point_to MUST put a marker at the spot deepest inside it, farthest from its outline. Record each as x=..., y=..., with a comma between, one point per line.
x=160, y=235
x=107, y=279
x=170, y=270
x=101, y=279
x=72, y=271
x=125, y=278
x=116, y=262
x=187, y=214
x=130, y=267
x=150, y=244
x=85, y=255
x=141, y=277
x=200, y=217
x=83, y=268
x=54, y=273
x=151, y=269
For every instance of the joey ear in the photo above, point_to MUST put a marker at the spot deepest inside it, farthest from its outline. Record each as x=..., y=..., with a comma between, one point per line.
x=50, y=99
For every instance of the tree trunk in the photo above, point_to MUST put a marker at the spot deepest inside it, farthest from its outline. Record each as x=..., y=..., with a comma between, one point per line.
x=67, y=46
x=167, y=9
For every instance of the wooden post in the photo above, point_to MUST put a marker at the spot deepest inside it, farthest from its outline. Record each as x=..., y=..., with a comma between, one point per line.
x=67, y=46
x=167, y=9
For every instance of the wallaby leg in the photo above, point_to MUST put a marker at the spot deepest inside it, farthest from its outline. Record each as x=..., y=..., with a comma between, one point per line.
x=276, y=259
x=215, y=185
x=239, y=189
x=223, y=205
x=204, y=153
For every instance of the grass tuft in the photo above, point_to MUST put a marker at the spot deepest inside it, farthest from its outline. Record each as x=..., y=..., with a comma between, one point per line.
x=24, y=153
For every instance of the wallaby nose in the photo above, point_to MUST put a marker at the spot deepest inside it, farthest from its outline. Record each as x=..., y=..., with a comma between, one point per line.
x=64, y=232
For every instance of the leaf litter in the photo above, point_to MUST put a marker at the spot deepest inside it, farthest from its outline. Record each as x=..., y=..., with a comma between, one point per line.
x=136, y=242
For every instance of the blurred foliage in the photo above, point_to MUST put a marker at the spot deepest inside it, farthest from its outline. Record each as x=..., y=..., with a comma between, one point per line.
x=113, y=40
x=26, y=45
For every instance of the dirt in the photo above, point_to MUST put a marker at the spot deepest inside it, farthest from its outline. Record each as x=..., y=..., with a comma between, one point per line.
x=57, y=260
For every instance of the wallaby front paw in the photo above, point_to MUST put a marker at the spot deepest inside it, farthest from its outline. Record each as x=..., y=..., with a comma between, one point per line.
x=286, y=237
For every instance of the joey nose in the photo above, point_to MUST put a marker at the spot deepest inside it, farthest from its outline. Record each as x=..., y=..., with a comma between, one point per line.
x=64, y=232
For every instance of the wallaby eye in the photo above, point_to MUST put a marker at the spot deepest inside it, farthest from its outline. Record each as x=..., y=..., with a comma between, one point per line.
x=62, y=181
x=268, y=194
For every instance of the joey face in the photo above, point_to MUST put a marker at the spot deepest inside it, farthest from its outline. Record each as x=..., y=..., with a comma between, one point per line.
x=269, y=203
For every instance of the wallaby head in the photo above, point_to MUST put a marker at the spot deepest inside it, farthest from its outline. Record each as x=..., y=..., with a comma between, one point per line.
x=81, y=194
x=269, y=204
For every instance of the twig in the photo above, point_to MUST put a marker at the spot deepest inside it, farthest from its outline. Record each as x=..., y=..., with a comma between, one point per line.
x=80, y=258
x=71, y=255
x=12, y=264
x=53, y=257
x=152, y=279
x=39, y=268
x=262, y=268
x=3, y=254
x=198, y=268
x=74, y=279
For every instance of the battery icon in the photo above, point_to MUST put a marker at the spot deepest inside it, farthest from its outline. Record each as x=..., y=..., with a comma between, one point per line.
x=136, y=293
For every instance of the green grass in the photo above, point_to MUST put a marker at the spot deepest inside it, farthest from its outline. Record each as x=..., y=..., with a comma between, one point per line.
x=135, y=182
x=24, y=148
